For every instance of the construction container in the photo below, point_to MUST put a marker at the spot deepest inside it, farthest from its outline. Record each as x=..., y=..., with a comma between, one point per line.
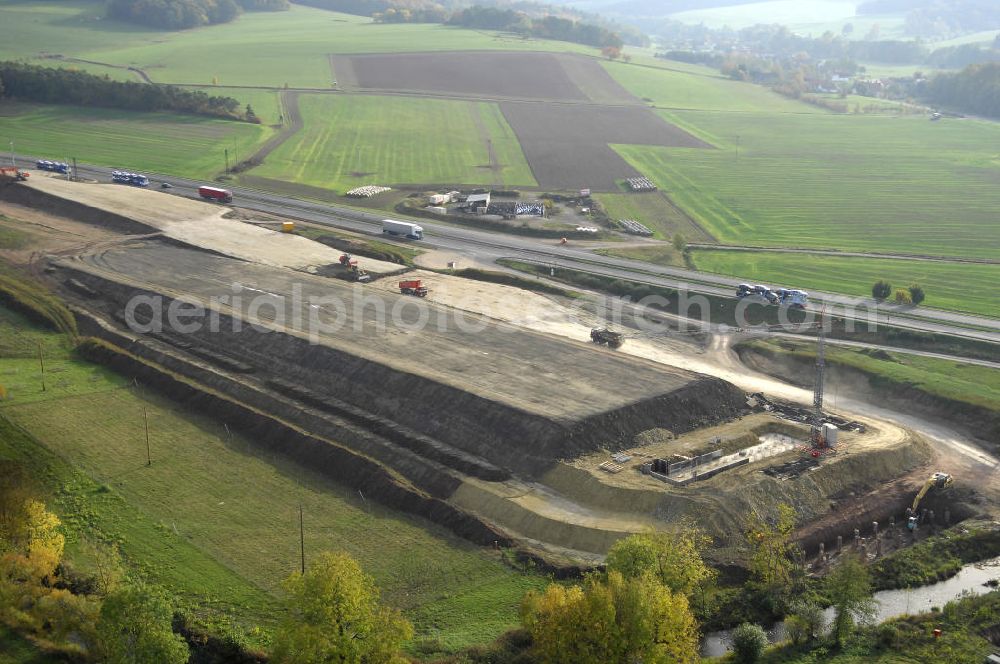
x=287, y=226
x=438, y=210
x=830, y=432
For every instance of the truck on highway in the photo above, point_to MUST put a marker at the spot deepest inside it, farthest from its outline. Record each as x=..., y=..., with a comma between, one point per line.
x=134, y=179
x=216, y=194
x=403, y=228
x=52, y=166
x=796, y=299
x=763, y=292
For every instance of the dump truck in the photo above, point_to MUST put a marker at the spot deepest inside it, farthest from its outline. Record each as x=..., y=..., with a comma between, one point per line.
x=413, y=287
x=402, y=228
x=605, y=336
x=216, y=194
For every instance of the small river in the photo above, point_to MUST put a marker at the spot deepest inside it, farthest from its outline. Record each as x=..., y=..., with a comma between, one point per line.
x=970, y=580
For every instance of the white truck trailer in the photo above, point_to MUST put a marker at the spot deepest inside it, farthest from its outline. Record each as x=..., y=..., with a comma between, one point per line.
x=404, y=228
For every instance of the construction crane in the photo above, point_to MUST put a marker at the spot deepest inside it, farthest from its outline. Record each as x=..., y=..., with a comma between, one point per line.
x=817, y=435
x=819, y=381
x=935, y=481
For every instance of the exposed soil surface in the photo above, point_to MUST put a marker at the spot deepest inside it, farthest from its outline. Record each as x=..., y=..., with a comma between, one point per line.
x=193, y=222
x=567, y=146
x=482, y=74
x=518, y=398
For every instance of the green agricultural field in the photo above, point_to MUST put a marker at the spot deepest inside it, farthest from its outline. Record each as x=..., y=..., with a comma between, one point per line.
x=257, y=49
x=350, y=141
x=184, y=145
x=655, y=212
x=213, y=503
x=958, y=286
x=861, y=183
x=675, y=85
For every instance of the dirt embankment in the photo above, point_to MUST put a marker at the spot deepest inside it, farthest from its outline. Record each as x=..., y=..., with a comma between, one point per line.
x=329, y=458
x=980, y=423
x=53, y=204
x=517, y=399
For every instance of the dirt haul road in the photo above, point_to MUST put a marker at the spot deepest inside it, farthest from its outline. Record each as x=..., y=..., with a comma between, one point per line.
x=545, y=314
x=199, y=224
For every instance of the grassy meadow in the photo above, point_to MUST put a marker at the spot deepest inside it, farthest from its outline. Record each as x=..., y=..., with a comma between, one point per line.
x=958, y=286
x=861, y=183
x=653, y=210
x=215, y=520
x=674, y=85
x=350, y=141
x=257, y=49
x=183, y=145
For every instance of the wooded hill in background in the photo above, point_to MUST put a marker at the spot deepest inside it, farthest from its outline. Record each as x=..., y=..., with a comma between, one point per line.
x=63, y=86
x=939, y=18
x=183, y=14
x=527, y=18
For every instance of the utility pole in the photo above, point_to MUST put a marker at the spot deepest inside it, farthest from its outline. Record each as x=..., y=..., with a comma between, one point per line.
x=145, y=421
x=76, y=176
x=41, y=364
x=13, y=162
x=302, y=540
x=227, y=159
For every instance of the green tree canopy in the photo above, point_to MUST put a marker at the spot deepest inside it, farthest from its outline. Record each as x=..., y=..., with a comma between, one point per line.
x=850, y=591
x=674, y=558
x=135, y=628
x=611, y=620
x=770, y=547
x=334, y=615
x=881, y=290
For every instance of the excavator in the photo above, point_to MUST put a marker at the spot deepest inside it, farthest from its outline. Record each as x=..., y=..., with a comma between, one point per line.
x=12, y=174
x=935, y=481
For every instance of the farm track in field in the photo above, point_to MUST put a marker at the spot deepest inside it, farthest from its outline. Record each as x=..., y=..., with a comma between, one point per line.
x=294, y=124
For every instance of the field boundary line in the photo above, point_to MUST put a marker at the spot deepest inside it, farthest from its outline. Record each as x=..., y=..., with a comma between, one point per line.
x=836, y=253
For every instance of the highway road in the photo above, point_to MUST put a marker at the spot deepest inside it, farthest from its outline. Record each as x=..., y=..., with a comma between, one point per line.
x=487, y=247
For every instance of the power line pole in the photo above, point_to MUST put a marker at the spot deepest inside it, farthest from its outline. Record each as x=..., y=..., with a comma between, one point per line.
x=227, y=159
x=13, y=162
x=41, y=364
x=302, y=540
x=145, y=421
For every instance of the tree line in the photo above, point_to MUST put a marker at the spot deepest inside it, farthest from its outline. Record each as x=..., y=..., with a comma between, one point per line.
x=546, y=27
x=528, y=19
x=65, y=86
x=976, y=89
x=184, y=14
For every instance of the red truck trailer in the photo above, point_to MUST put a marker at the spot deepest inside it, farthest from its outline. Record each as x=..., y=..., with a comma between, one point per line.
x=216, y=194
x=413, y=287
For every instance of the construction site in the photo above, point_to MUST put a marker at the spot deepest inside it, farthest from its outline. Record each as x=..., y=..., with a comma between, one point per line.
x=512, y=418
